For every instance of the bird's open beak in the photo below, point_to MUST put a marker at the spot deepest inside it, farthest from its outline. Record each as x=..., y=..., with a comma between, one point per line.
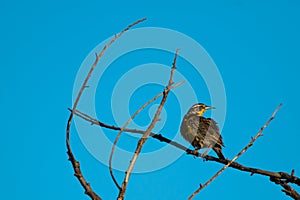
x=209, y=107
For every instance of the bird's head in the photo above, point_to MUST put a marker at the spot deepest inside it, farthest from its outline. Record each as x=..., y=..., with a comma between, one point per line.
x=199, y=109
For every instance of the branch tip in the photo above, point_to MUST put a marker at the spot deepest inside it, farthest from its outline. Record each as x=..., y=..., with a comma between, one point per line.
x=293, y=172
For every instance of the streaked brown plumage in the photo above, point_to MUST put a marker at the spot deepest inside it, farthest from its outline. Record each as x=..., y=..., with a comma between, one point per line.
x=201, y=132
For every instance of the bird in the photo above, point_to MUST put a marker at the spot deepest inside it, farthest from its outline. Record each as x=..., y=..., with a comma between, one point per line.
x=202, y=132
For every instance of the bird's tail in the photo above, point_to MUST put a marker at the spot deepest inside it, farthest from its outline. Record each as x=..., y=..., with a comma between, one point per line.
x=218, y=150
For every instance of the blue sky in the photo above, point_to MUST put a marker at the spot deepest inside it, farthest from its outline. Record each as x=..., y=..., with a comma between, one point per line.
x=255, y=46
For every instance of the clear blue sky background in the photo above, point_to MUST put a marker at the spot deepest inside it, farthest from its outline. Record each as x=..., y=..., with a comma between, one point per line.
x=255, y=46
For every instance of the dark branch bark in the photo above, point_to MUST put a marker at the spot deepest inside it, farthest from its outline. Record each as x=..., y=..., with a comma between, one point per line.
x=287, y=189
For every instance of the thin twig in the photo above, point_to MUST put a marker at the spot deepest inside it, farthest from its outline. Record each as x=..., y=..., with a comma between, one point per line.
x=238, y=155
x=75, y=164
x=142, y=141
x=288, y=190
x=124, y=128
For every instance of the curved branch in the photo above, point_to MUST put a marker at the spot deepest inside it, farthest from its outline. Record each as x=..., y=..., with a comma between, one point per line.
x=75, y=164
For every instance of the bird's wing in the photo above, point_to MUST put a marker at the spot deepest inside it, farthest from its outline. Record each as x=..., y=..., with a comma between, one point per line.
x=213, y=130
x=189, y=128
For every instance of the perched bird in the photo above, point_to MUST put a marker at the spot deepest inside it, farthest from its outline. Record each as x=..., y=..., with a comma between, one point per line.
x=201, y=132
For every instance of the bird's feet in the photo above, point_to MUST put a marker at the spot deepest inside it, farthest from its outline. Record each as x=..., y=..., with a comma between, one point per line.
x=205, y=153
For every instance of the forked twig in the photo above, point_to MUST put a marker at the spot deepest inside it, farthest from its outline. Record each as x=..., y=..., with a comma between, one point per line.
x=75, y=164
x=124, y=128
x=288, y=190
x=238, y=155
x=147, y=133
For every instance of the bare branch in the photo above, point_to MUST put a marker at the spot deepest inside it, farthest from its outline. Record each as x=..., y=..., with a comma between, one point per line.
x=74, y=162
x=142, y=141
x=281, y=178
x=124, y=128
x=238, y=155
x=291, y=178
x=288, y=178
